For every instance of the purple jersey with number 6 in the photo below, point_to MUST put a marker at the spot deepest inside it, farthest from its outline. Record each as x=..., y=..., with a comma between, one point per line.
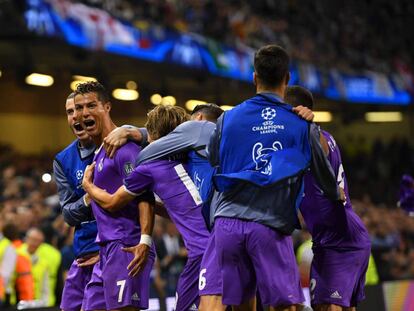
x=332, y=224
x=122, y=225
x=170, y=181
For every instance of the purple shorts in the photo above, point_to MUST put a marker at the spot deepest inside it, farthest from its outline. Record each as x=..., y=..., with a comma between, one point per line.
x=338, y=277
x=75, y=284
x=111, y=287
x=210, y=273
x=187, y=297
x=253, y=256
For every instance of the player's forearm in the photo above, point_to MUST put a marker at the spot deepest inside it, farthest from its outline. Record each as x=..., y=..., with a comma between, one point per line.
x=146, y=217
x=76, y=212
x=134, y=134
x=100, y=196
x=321, y=168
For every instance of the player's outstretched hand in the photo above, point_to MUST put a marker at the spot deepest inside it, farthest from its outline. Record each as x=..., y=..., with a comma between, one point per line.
x=88, y=175
x=117, y=138
x=88, y=261
x=304, y=113
x=140, y=252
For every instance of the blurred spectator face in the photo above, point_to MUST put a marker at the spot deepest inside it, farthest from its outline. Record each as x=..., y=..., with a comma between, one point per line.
x=9, y=173
x=34, y=238
x=24, y=219
x=73, y=120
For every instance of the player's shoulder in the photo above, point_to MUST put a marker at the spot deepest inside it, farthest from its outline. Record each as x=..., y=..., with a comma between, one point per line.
x=328, y=136
x=72, y=147
x=191, y=125
x=129, y=146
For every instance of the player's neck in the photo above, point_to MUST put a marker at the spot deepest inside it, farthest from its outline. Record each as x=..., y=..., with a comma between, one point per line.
x=85, y=143
x=279, y=91
x=108, y=127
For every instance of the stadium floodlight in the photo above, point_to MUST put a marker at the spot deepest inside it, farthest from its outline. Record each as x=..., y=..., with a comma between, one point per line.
x=46, y=177
x=226, y=107
x=322, y=116
x=39, y=79
x=77, y=79
x=192, y=103
x=156, y=99
x=125, y=94
x=169, y=100
x=131, y=85
x=384, y=116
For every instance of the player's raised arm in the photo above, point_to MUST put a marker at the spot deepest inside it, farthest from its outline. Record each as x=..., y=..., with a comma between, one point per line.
x=183, y=138
x=109, y=202
x=321, y=168
x=119, y=136
x=304, y=112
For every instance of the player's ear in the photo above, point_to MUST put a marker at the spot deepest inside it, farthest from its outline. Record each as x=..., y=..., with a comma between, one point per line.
x=287, y=78
x=254, y=78
x=108, y=106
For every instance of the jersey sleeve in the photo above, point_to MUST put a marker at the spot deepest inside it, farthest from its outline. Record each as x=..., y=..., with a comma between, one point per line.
x=125, y=159
x=139, y=180
x=320, y=166
x=213, y=147
x=182, y=139
x=74, y=210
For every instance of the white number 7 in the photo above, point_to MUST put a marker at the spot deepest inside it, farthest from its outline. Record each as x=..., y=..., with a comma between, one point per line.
x=121, y=290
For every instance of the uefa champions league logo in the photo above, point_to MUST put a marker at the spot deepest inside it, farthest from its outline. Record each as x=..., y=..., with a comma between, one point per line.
x=268, y=125
x=79, y=174
x=268, y=113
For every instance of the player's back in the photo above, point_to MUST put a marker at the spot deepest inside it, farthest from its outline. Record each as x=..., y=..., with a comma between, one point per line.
x=332, y=224
x=170, y=181
x=109, y=174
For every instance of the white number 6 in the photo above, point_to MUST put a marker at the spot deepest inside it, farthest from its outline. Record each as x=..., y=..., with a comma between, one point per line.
x=202, y=280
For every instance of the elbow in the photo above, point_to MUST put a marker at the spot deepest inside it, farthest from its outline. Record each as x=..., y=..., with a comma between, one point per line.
x=67, y=217
x=110, y=207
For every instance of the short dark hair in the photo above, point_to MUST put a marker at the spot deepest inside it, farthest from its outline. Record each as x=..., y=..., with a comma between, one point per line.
x=93, y=87
x=71, y=95
x=271, y=64
x=210, y=111
x=11, y=232
x=297, y=95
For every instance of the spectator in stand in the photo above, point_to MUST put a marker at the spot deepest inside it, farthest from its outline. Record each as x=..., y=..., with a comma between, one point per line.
x=22, y=287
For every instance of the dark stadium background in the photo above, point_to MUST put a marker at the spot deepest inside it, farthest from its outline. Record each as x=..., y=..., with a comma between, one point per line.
x=356, y=57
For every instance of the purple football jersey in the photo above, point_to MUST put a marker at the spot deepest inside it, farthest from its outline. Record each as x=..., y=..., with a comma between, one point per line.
x=109, y=174
x=170, y=181
x=332, y=224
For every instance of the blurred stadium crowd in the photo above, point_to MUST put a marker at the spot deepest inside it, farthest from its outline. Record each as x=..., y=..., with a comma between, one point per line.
x=27, y=202
x=343, y=34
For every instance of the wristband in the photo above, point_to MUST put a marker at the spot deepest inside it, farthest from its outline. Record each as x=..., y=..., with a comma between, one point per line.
x=146, y=239
x=84, y=201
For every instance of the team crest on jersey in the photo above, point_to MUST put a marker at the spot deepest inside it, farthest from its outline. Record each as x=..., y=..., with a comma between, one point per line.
x=100, y=165
x=79, y=174
x=128, y=168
